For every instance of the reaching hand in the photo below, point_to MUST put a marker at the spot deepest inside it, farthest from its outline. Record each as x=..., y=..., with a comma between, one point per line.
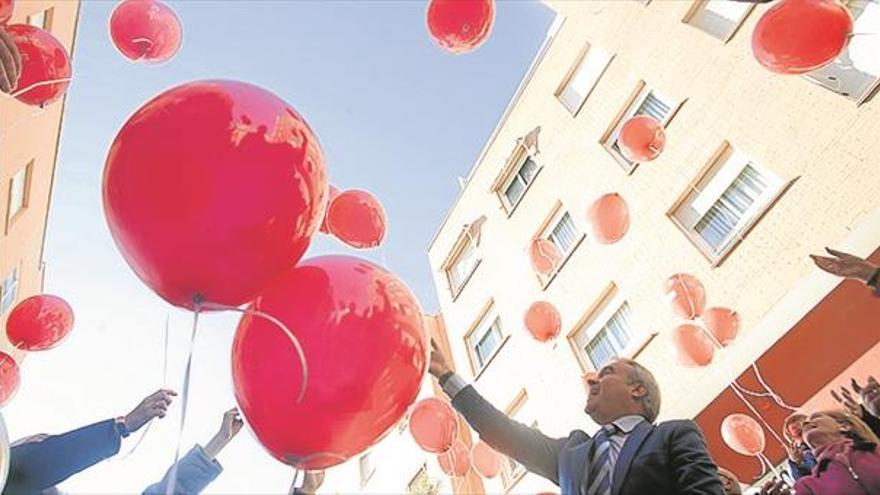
x=870, y=395
x=153, y=406
x=10, y=63
x=848, y=402
x=845, y=265
x=438, y=366
x=775, y=487
x=231, y=424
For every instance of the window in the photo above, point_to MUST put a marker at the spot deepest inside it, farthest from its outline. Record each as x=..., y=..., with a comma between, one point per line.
x=726, y=202
x=18, y=193
x=512, y=471
x=42, y=19
x=485, y=342
x=582, y=77
x=564, y=234
x=606, y=335
x=9, y=294
x=559, y=228
x=854, y=74
x=646, y=102
x=519, y=182
x=422, y=484
x=366, y=469
x=463, y=264
x=719, y=18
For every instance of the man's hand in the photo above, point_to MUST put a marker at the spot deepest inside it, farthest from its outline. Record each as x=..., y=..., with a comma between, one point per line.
x=774, y=487
x=845, y=265
x=312, y=481
x=231, y=424
x=10, y=63
x=870, y=395
x=438, y=366
x=153, y=406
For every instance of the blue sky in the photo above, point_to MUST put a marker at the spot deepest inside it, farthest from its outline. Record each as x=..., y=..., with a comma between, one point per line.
x=395, y=115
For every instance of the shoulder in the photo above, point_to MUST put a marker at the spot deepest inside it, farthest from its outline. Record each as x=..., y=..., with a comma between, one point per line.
x=678, y=426
x=577, y=437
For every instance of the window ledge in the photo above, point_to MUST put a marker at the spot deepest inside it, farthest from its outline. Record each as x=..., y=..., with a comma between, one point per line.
x=456, y=292
x=492, y=357
x=545, y=282
x=14, y=218
x=642, y=345
x=515, y=481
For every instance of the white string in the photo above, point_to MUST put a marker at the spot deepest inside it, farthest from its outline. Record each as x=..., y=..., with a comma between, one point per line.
x=172, y=478
x=35, y=85
x=776, y=397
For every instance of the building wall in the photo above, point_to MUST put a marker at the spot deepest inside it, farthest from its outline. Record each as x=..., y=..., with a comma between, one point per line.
x=30, y=135
x=816, y=140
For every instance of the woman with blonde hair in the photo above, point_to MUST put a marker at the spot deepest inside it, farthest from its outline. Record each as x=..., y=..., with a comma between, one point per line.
x=800, y=458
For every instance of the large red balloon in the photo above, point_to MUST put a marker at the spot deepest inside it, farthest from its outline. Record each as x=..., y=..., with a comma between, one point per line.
x=145, y=30
x=39, y=322
x=460, y=26
x=456, y=461
x=797, y=36
x=543, y=321
x=212, y=189
x=357, y=218
x=686, y=295
x=6, y=7
x=545, y=256
x=433, y=425
x=333, y=193
x=722, y=323
x=9, y=378
x=641, y=138
x=486, y=460
x=609, y=218
x=362, y=333
x=43, y=59
x=743, y=434
x=693, y=347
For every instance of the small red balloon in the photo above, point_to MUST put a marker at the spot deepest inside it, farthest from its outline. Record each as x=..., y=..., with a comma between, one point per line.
x=743, y=434
x=460, y=26
x=433, y=425
x=641, y=138
x=357, y=218
x=545, y=256
x=693, y=347
x=608, y=217
x=487, y=462
x=39, y=322
x=361, y=330
x=9, y=378
x=798, y=36
x=333, y=193
x=145, y=30
x=722, y=323
x=686, y=295
x=6, y=7
x=456, y=461
x=543, y=321
x=212, y=189
x=43, y=59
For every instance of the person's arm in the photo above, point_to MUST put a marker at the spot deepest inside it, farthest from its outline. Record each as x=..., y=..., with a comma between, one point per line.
x=10, y=63
x=528, y=446
x=38, y=465
x=693, y=470
x=849, y=266
x=199, y=467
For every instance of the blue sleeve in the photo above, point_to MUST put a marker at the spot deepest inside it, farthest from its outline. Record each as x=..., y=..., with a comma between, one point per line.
x=36, y=466
x=195, y=471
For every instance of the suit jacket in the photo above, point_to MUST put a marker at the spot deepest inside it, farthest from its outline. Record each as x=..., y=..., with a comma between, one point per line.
x=668, y=458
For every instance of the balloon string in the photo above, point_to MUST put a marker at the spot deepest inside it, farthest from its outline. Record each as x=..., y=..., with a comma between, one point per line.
x=756, y=413
x=687, y=293
x=776, y=397
x=172, y=478
x=35, y=85
x=293, y=339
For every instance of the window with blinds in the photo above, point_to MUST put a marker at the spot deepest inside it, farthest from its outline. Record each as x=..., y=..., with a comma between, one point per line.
x=718, y=18
x=564, y=234
x=520, y=181
x=606, y=339
x=9, y=291
x=486, y=343
x=582, y=78
x=727, y=213
x=463, y=266
x=649, y=103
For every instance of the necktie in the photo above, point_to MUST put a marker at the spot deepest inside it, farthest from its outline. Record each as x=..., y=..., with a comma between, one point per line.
x=600, y=464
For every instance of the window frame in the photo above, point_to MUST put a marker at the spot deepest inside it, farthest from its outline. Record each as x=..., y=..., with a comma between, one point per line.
x=550, y=222
x=47, y=18
x=510, y=478
x=15, y=275
x=479, y=328
x=364, y=479
x=509, y=173
x=704, y=181
x=573, y=70
x=699, y=4
x=12, y=217
x=464, y=240
x=434, y=485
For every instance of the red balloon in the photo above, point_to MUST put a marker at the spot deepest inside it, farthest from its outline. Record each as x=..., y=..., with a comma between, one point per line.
x=9, y=378
x=39, y=322
x=212, y=189
x=362, y=333
x=433, y=425
x=545, y=256
x=641, y=139
x=743, y=434
x=6, y=7
x=333, y=193
x=460, y=26
x=487, y=462
x=686, y=295
x=543, y=321
x=145, y=30
x=798, y=36
x=722, y=323
x=693, y=347
x=357, y=218
x=609, y=218
x=43, y=59
x=456, y=461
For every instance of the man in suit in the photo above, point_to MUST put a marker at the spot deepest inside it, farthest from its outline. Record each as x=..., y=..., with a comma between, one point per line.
x=629, y=455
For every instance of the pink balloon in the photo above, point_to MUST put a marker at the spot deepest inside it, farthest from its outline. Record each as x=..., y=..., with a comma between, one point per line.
x=486, y=460
x=686, y=295
x=333, y=193
x=456, y=461
x=641, y=138
x=9, y=378
x=145, y=30
x=743, y=434
x=543, y=321
x=545, y=256
x=358, y=219
x=693, y=347
x=722, y=323
x=609, y=218
x=433, y=425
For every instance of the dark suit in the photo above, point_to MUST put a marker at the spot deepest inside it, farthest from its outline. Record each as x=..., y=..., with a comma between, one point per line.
x=669, y=458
